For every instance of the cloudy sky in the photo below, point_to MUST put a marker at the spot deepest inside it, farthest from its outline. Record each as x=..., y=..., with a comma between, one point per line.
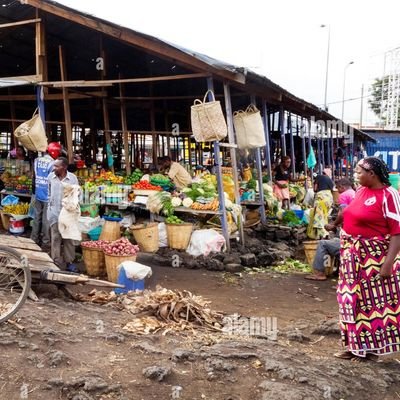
x=282, y=40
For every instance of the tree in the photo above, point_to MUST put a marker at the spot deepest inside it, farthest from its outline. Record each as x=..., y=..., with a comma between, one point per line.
x=377, y=102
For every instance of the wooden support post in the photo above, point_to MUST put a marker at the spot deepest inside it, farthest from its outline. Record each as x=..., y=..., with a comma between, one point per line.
x=303, y=144
x=67, y=110
x=125, y=132
x=267, y=140
x=40, y=49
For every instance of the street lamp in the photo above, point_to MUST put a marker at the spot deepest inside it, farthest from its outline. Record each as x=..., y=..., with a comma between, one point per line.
x=327, y=65
x=344, y=85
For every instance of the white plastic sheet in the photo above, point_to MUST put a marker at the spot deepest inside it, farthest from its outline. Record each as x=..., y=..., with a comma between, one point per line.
x=205, y=241
x=135, y=270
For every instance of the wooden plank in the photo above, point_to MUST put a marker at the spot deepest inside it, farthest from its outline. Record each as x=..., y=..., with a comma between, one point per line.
x=35, y=255
x=52, y=96
x=67, y=110
x=19, y=238
x=47, y=122
x=38, y=266
x=105, y=82
x=40, y=48
x=16, y=244
x=18, y=23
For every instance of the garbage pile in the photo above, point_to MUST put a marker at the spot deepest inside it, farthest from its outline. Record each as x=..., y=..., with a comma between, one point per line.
x=171, y=310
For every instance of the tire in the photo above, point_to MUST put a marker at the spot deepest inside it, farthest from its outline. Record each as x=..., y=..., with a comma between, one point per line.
x=15, y=282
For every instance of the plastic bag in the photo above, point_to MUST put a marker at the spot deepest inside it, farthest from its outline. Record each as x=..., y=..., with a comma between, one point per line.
x=9, y=200
x=135, y=270
x=86, y=224
x=162, y=235
x=31, y=211
x=205, y=241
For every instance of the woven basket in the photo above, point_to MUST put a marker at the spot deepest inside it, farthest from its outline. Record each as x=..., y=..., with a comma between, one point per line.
x=111, y=231
x=179, y=235
x=146, y=236
x=249, y=128
x=31, y=134
x=112, y=263
x=5, y=220
x=94, y=261
x=208, y=121
x=310, y=249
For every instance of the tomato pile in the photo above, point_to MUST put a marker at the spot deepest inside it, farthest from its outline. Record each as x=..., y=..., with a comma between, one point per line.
x=95, y=244
x=121, y=247
x=145, y=185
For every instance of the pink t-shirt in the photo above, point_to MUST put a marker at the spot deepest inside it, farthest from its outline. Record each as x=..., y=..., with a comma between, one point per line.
x=372, y=213
x=346, y=197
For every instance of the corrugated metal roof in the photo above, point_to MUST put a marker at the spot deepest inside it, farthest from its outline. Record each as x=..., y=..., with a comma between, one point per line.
x=239, y=75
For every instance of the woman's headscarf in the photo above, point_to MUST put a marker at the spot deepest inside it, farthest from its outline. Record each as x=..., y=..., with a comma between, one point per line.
x=379, y=167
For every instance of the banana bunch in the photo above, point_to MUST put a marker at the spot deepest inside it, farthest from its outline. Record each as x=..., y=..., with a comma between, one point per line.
x=211, y=206
x=17, y=209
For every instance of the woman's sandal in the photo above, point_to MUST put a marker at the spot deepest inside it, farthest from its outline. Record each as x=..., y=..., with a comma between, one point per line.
x=348, y=355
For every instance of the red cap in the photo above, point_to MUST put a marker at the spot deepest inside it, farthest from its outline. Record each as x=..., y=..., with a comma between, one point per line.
x=54, y=149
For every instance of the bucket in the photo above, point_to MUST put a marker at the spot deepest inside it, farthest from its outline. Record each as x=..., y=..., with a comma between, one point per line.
x=16, y=226
x=94, y=233
x=179, y=235
x=112, y=263
x=129, y=284
x=394, y=179
x=94, y=261
x=111, y=231
x=146, y=236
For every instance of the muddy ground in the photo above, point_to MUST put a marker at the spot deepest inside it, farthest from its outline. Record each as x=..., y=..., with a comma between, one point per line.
x=72, y=350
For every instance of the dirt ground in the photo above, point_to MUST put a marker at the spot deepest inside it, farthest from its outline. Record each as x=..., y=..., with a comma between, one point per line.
x=72, y=350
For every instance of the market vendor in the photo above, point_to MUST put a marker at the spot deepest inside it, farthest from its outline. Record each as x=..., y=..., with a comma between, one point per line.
x=175, y=172
x=62, y=250
x=281, y=178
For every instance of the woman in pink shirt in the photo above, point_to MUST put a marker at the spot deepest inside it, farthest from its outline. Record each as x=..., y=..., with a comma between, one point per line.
x=368, y=290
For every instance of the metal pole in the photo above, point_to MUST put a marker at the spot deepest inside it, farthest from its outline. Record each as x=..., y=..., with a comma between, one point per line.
x=259, y=176
x=291, y=144
x=232, y=141
x=327, y=66
x=310, y=149
x=303, y=145
x=221, y=196
x=344, y=85
x=267, y=137
x=332, y=156
x=282, y=126
x=362, y=105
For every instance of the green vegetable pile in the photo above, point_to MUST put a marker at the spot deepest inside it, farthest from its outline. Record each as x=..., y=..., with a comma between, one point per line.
x=173, y=220
x=252, y=184
x=201, y=189
x=134, y=177
x=290, y=219
x=292, y=266
x=113, y=214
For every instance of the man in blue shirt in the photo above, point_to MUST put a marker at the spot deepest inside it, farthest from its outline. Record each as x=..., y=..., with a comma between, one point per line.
x=43, y=166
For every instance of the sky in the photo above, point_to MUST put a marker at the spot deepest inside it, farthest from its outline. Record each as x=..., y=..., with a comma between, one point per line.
x=282, y=40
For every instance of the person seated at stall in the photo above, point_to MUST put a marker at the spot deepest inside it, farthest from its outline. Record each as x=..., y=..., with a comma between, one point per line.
x=178, y=174
x=19, y=153
x=331, y=247
x=281, y=178
x=323, y=201
x=346, y=192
